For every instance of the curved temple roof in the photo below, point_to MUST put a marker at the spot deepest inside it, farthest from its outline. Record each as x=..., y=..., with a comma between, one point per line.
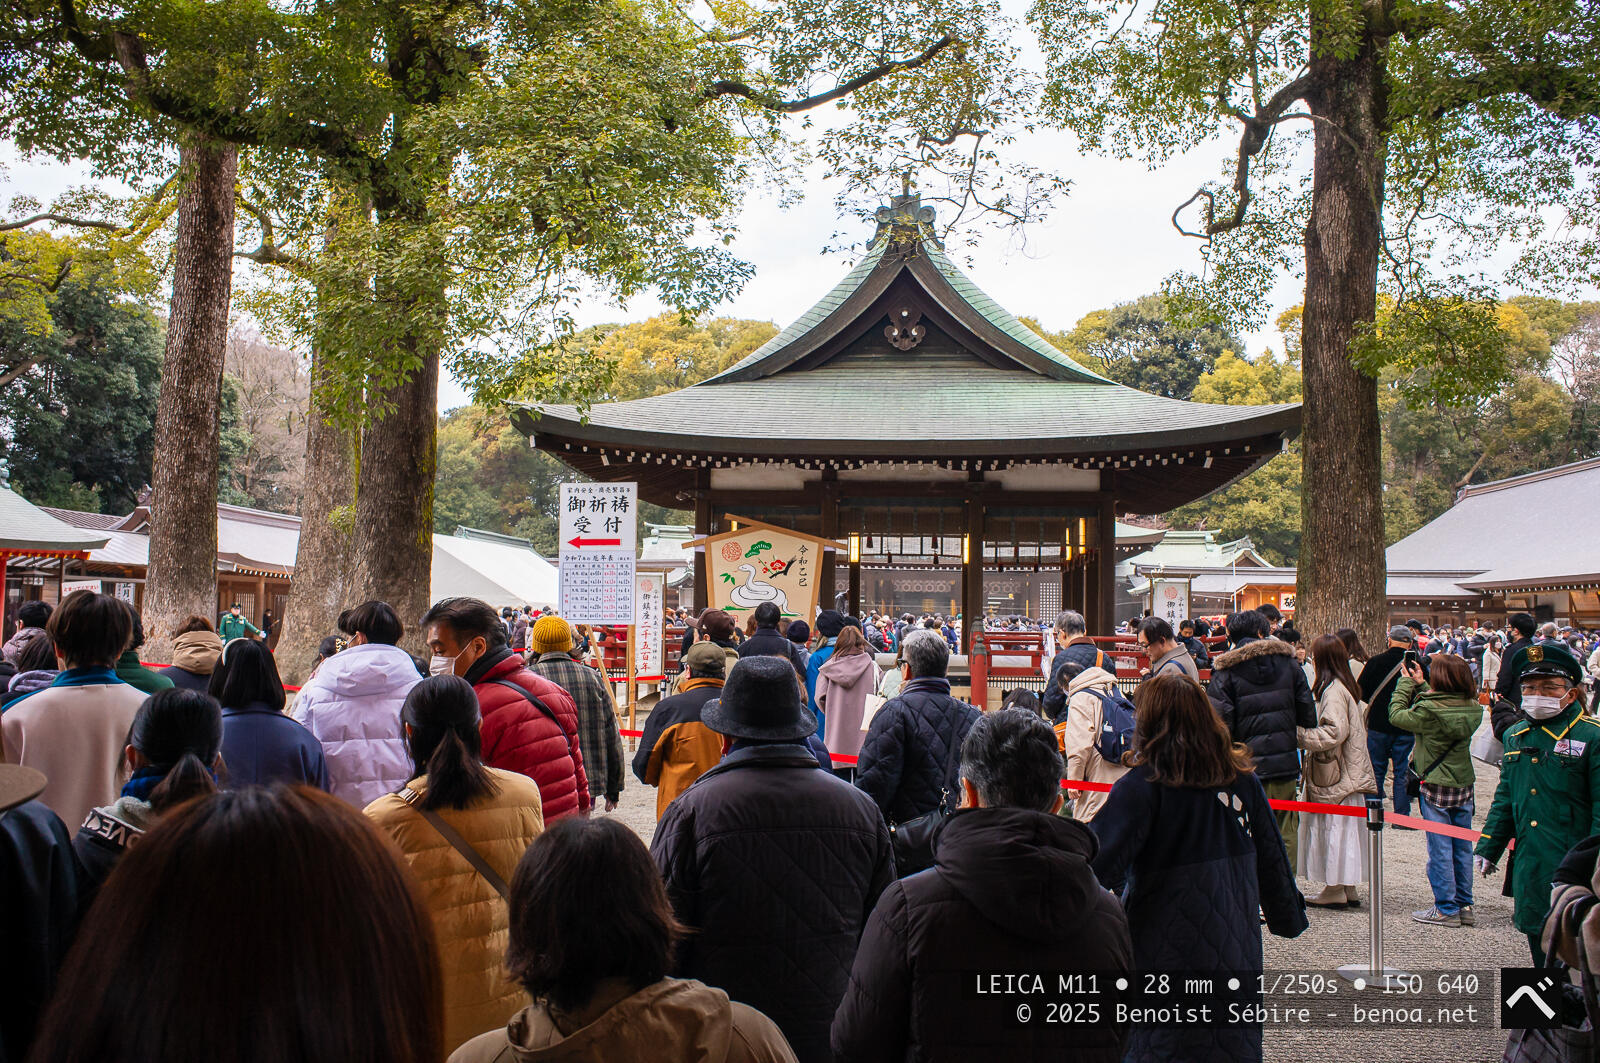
x=907, y=358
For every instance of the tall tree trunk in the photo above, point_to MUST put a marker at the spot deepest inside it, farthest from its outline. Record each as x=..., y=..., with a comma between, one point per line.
x=394, y=499
x=183, y=507
x=321, y=587
x=1341, y=567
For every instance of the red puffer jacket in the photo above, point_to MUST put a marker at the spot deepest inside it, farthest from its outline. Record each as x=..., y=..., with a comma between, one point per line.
x=518, y=737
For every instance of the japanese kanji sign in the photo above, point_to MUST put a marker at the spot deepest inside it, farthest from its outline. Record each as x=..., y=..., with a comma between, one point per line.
x=764, y=563
x=648, y=625
x=1170, y=600
x=599, y=529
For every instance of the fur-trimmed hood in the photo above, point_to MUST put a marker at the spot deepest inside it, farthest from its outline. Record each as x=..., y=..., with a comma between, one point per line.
x=1249, y=651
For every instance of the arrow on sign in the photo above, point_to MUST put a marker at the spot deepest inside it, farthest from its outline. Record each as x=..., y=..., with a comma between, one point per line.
x=579, y=544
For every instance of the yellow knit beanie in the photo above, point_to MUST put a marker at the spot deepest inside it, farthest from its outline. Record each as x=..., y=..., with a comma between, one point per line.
x=551, y=634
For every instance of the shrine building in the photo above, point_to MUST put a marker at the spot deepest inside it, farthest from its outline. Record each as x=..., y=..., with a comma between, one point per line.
x=909, y=416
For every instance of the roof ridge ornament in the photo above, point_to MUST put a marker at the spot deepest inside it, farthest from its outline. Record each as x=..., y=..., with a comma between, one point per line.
x=905, y=223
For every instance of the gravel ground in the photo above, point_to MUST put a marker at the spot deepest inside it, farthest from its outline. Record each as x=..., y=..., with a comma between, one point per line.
x=1341, y=937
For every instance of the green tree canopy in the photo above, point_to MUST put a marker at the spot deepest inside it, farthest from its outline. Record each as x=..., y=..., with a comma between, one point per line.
x=78, y=422
x=1141, y=345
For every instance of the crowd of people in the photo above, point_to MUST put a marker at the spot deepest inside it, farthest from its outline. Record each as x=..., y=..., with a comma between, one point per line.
x=402, y=862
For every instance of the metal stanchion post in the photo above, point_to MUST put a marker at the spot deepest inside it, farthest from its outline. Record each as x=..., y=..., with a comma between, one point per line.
x=1373, y=974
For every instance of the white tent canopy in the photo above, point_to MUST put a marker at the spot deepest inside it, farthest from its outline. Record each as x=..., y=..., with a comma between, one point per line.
x=498, y=569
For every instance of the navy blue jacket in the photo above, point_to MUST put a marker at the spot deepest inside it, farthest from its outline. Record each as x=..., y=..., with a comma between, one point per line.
x=776, y=866
x=261, y=746
x=906, y=758
x=1200, y=864
x=185, y=679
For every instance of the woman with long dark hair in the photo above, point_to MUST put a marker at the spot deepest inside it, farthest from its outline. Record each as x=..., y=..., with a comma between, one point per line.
x=1357, y=652
x=1190, y=831
x=174, y=751
x=462, y=826
x=260, y=744
x=1337, y=771
x=256, y=926
x=592, y=934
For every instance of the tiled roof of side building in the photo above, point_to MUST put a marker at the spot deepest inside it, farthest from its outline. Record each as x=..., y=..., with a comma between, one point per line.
x=1542, y=522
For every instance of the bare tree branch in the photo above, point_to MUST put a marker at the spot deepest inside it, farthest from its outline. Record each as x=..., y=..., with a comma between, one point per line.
x=16, y=371
x=62, y=219
x=774, y=103
x=269, y=252
x=1257, y=128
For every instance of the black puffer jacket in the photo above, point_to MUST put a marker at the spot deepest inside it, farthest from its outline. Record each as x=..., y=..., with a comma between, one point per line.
x=1262, y=694
x=776, y=866
x=1010, y=890
x=912, y=749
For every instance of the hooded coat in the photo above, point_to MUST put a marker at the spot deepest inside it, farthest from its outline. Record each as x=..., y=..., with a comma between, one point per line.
x=470, y=919
x=677, y=1020
x=1263, y=696
x=1010, y=890
x=352, y=706
x=843, y=684
x=194, y=658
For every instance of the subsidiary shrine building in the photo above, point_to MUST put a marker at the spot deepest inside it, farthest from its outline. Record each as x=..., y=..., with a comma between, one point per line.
x=909, y=416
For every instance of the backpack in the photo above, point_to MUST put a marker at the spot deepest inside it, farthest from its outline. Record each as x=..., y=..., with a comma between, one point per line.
x=1116, y=725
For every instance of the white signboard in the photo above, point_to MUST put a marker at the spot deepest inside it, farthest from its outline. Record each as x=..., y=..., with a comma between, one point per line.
x=71, y=586
x=648, y=660
x=599, y=532
x=125, y=592
x=1170, y=600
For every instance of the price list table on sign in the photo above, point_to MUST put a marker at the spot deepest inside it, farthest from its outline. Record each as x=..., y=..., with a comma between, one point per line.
x=599, y=528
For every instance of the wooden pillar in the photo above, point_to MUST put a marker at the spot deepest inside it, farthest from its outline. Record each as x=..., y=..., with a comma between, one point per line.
x=830, y=530
x=1105, y=576
x=972, y=572
x=702, y=573
x=855, y=588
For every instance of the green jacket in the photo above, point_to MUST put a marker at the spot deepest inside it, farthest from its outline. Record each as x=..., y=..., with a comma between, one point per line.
x=136, y=675
x=1548, y=800
x=235, y=627
x=1443, y=724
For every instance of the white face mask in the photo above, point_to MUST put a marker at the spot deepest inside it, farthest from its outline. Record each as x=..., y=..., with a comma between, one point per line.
x=1541, y=706
x=438, y=665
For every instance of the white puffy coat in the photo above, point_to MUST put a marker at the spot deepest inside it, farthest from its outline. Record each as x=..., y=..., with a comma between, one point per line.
x=352, y=706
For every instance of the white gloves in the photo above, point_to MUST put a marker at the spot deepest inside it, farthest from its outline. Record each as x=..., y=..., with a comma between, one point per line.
x=1483, y=866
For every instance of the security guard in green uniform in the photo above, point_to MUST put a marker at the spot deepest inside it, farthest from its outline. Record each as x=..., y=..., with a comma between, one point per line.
x=1549, y=793
x=234, y=626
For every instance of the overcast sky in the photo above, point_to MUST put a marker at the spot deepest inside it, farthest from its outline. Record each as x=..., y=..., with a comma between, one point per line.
x=1109, y=240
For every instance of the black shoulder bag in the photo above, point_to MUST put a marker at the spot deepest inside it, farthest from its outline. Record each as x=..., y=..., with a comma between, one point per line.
x=913, y=839
x=542, y=707
x=1414, y=781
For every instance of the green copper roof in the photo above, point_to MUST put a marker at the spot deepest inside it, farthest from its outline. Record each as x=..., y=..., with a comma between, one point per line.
x=905, y=245
x=997, y=315
x=817, y=314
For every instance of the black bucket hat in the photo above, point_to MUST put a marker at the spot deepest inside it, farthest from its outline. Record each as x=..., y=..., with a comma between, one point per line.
x=761, y=700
